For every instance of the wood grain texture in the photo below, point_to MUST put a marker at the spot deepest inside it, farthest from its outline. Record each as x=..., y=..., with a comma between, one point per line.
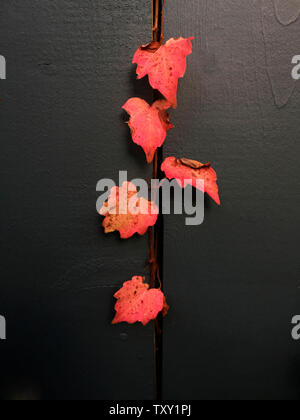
x=62, y=129
x=233, y=283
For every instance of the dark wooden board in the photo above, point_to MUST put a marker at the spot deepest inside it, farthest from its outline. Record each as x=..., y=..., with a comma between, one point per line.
x=233, y=283
x=69, y=72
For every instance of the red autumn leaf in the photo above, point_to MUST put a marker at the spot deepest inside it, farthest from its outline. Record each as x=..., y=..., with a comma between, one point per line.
x=148, y=124
x=164, y=65
x=136, y=303
x=126, y=212
x=187, y=171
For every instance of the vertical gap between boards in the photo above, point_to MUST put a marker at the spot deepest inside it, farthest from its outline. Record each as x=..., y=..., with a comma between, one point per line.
x=158, y=231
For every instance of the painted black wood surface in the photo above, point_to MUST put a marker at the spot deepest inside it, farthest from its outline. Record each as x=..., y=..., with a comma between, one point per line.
x=233, y=283
x=69, y=72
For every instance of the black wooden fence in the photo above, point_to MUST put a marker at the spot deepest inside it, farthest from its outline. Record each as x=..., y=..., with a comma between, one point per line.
x=232, y=283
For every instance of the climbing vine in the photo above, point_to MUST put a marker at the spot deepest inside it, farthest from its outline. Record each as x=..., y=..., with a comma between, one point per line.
x=125, y=211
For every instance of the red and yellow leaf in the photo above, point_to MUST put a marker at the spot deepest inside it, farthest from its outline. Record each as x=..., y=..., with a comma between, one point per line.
x=187, y=171
x=148, y=124
x=127, y=213
x=164, y=65
x=136, y=303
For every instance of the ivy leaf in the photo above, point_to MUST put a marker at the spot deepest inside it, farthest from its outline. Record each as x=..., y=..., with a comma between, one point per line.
x=187, y=171
x=136, y=303
x=148, y=124
x=164, y=65
x=128, y=213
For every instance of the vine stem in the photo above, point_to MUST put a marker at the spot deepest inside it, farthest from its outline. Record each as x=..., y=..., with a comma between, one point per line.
x=156, y=233
x=152, y=236
x=157, y=36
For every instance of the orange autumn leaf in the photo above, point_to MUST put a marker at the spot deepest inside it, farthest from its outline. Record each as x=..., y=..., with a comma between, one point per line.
x=187, y=171
x=148, y=124
x=128, y=213
x=164, y=65
x=137, y=303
